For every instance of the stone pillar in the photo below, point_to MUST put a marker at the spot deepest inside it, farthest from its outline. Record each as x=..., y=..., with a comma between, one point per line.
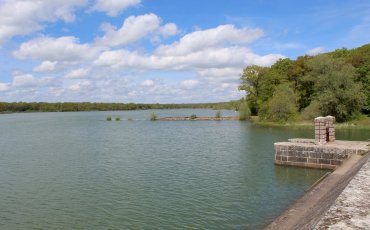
x=320, y=130
x=330, y=120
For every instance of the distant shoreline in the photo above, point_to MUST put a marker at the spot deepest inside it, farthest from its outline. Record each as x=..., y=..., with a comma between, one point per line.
x=198, y=118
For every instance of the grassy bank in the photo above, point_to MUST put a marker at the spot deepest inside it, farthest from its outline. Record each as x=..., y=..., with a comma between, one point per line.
x=361, y=123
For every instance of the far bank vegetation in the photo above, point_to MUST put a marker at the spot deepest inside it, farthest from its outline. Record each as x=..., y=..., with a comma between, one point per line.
x=335, y=83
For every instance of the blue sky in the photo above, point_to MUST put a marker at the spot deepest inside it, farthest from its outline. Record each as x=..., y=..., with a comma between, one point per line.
x=160, y=51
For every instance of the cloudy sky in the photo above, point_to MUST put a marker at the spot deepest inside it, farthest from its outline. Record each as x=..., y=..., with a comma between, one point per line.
x=161, y=51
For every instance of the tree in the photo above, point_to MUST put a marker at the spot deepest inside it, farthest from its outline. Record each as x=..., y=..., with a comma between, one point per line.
x=335, y=89
x=281, y=107
x=244, y=111
x=252, y=83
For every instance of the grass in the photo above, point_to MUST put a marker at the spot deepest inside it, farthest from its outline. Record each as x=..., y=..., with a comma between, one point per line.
x=360, y=123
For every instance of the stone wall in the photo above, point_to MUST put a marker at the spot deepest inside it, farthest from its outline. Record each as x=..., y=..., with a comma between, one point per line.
x=312, y=155
x=324, y=129
x=322, y=152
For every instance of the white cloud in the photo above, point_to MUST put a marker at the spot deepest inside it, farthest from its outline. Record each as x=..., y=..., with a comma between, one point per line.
x=220, y=73
x=215, y=37
x=315, y=51
x=189, y=84
x=25, y=80
x=228, y=57
x=114, y=7
x=170, y=29
x=21, y=17
x=212, y=58
x=135, y=28
x=148, y=83
x=80, y=85
x=28, y=80
x=62, y=49
x=46, y=66
x=78, y=73
x=4, y=87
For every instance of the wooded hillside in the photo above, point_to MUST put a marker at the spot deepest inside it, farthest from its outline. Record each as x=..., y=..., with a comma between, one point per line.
x=335, y=83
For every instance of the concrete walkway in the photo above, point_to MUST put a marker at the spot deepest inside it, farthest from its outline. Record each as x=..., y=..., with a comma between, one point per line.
x=351, y=210
x=307, y=212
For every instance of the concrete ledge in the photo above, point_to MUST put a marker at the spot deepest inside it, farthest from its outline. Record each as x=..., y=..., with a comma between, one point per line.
x=351, y=210
x=308, y=210
x=308, y=153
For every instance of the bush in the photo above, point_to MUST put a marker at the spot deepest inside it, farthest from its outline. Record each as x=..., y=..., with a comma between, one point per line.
x=281, y=107
x=109, y=118
x=218, y=114
x=153, y=116
x=118, y=118
x=244, y=111
x=193, y=117
x=312, y=111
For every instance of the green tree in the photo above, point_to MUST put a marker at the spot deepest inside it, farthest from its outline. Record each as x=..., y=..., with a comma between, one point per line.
x=335, y=89
x=281, y=107
x=253, y=78
x=244, y=111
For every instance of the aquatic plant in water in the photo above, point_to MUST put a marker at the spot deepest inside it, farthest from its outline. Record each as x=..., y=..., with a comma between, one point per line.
x=153, y=116
x=218, y=114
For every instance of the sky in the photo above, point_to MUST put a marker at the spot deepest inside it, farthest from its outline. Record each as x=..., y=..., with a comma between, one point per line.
x=161, y=51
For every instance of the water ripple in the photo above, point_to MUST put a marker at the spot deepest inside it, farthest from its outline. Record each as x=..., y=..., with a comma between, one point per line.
x=76, y=171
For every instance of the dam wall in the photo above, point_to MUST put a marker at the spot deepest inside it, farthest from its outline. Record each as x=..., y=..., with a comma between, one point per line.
x=322, y=152
x=307, y=153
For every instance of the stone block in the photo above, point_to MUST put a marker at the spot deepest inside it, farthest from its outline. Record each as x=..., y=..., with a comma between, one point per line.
x=286, y=153
x=328, y=155
x=336, y=162
x=299, y=148
x=299, y=164
x=312, y=160
x=292, y=159
x=283, y=147
x=340, y=156
x=302, y=159
x=324, y=161
x=302, y=154
x=315, y=155
x=284, y=158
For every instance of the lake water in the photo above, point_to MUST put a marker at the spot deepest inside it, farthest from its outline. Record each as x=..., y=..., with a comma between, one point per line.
x=79, y=171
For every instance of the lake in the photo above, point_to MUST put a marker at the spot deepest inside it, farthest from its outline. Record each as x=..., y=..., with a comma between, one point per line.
x=78, y=171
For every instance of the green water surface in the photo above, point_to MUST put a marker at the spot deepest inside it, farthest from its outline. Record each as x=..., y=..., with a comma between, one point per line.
x=79, y=171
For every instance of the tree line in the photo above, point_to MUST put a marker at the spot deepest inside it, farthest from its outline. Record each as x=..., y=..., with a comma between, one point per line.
x=335, y=83
x=6, y=107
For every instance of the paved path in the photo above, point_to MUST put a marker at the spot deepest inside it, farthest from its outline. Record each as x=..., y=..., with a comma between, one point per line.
x=351, y=210
x=311, y=208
